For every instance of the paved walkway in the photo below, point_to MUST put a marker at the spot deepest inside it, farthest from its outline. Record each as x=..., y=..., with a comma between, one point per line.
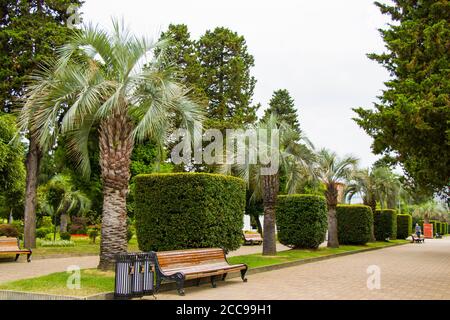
x=405, y=271
x=10, y=270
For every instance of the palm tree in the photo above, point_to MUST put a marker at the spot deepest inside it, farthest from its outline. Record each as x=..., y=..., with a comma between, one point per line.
x=387, y=187
x=61, y=199
x=332, y=171
x=113, y=82
x=293, y=158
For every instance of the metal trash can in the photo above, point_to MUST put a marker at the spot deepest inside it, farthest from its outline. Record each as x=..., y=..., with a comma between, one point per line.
x=134, y=275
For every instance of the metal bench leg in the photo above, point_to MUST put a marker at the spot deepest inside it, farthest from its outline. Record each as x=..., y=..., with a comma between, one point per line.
x=29, y=257
x=213, y=282
x=197, y=283
x=158, y=283
x=17, y=257
x=180, y=284
x=224, y=276
x=243, y=272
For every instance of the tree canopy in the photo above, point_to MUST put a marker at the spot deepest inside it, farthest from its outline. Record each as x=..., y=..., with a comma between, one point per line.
x=410, y=123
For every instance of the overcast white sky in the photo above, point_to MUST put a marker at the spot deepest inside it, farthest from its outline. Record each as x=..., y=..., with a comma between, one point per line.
x=315, y=49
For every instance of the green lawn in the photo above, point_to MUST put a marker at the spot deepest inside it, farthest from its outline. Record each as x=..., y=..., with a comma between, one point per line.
x=94, y=281
x=83, y=246
x=258, y=260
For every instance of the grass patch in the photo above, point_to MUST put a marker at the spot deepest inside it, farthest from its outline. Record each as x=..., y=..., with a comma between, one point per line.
x=92, y=282
x=258, y=260
x=83, y=246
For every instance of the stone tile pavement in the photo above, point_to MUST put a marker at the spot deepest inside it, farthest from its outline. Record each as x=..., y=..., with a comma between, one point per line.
x=412, y=271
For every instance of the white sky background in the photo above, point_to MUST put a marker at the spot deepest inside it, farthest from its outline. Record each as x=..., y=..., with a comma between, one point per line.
x=315, y=49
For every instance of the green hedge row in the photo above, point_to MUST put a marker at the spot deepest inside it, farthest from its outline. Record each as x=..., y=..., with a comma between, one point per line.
x=189, y=210
x=301, y=220
x=385, y=224
x=354, y=224
x=404, y=226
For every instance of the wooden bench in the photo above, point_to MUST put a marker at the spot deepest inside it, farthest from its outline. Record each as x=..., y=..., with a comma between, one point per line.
x=12, y=246
x=417, y=239
x=252, y=238
x=182, y=265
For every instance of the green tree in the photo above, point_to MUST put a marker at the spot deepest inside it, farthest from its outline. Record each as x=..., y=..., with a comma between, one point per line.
x=290, y=156
x=410, y=123
x=226, y=79
x=12, y=169
x=107, y=89
x=30, y=31
x=331, y=171
x=283, y=106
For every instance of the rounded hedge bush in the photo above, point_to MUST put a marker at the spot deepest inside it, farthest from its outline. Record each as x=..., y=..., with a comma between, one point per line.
x=354, y=223
x=301, y=220
x=385, y=224
x=8, y=230
x=404, y=226
x=189, y=210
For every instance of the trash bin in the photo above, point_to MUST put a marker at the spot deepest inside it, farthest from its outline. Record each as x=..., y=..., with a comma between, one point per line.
x=134, y=275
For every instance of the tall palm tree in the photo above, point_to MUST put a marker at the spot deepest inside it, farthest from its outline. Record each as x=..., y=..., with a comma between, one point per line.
x=113, y=82
x=332, y=171
x=293, y=158
x=387, y=186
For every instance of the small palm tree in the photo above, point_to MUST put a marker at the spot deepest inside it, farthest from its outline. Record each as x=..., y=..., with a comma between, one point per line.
x=332, y=171
x=294, y=159
x=99, y=84
x=61, y=199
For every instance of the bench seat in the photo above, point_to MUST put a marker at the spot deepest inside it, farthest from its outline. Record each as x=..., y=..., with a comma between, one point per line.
x=182, y=265
x=252, y=238
x=12, y=246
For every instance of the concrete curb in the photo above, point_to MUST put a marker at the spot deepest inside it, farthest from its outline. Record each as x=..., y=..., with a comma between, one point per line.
x=169, y=286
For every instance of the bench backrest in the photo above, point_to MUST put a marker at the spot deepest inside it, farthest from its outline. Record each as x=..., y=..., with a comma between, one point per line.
x=252, y=236
x=8, y=244
x=192, y=257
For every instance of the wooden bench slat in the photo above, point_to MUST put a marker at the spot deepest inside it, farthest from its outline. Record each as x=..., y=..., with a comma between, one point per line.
x=11, y=246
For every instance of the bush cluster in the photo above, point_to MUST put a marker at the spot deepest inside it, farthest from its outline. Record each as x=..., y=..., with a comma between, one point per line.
x=354, y=224
x=404, y=226
x=189, y=210
x=301, y=220
x=385, y=224
x=8, y=230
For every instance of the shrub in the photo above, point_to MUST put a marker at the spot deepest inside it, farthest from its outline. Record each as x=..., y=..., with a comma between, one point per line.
x=65, y=236
x=58, y=243
x=189, y=210
x=18, y=224
x=301, y=220
x=93, y=234
x=435, y=226
x=385, y=224
x=46, y=222
x=445, y=226
x=78, y=225
x=354, y=224
x=404, y=226
x=129, y=234
x=43, y=232
x=8, y=230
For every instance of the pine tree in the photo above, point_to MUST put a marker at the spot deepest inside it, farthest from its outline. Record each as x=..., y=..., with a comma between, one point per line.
x=283, y=106
x=410, y=123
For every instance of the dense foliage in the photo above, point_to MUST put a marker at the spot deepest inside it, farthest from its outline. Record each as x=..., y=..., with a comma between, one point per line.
x=410, y=122
x=404, y=226
x=301, y=220
x=189, y=210
x=354, y=224
x=385, y=224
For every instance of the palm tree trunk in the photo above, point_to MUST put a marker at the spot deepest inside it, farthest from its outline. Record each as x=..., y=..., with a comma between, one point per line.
x=63, y=221
x=32, y=164
x=271, y=185
x=116, y=146
x=331, y=195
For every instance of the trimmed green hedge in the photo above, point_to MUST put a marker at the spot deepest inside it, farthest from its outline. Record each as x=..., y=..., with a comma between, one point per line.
x=404, y=226
x=385, y=224
x=354, y=222
x=301, y=220
x=445, y=225
x=189, y=210
x=436, y=227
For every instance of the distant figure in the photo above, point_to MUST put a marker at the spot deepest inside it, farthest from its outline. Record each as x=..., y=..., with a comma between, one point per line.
x=418, y=230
